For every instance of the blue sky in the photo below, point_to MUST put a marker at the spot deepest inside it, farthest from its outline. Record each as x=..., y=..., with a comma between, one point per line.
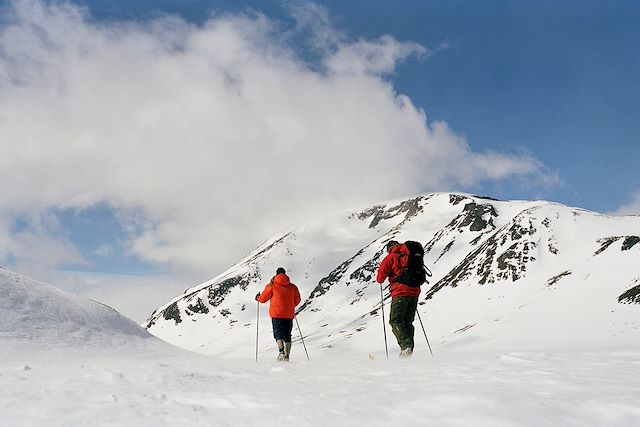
x=140, y=143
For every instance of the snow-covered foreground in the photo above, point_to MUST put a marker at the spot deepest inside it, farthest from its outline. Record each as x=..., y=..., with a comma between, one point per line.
x=152, y=384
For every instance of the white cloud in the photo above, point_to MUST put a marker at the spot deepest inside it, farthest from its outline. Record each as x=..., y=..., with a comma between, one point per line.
x=631, y=208
x=315, y=21
x=38, y=247
x=133, y=296
x=104, y=250
x=371, y=57
x=210, y=138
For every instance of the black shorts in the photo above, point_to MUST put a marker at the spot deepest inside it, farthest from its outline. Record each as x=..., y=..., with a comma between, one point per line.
x=282, y=329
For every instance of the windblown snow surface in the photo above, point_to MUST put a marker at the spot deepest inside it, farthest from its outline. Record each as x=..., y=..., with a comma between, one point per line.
x=508, y=353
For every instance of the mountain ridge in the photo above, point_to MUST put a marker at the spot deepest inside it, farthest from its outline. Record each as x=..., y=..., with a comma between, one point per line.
x=474, y=245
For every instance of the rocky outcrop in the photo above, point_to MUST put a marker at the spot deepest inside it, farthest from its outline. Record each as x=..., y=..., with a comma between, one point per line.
x=631, y=296
x=503, y=256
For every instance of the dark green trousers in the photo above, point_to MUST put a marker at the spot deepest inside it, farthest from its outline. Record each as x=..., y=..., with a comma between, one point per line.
x=403, y=311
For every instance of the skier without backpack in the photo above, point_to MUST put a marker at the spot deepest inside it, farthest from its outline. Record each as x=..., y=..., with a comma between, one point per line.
x=284, y=297
x=404, y=267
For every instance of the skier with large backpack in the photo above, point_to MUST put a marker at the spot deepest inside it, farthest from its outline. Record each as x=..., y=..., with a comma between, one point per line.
x=404, y=267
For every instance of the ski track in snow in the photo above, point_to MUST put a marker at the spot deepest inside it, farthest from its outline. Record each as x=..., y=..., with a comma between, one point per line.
x=129, y=386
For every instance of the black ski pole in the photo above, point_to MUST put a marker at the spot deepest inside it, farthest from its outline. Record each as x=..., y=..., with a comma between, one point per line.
x=384, y=326
x=257, y=323
x=425, y=332
x=302, y=339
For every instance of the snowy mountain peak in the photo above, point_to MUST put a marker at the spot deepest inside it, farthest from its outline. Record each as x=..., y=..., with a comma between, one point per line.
x=499, y=268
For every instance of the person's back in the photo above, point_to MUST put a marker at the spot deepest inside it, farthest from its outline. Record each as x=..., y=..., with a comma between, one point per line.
x=284, y=297
x=391, y=268
x=404, y=297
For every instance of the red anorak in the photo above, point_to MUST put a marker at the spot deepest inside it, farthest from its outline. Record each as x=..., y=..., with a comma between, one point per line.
x=390, y=268
x=284, y=297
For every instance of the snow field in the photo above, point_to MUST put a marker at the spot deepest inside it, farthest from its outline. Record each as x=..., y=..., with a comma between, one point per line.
x=161, y=386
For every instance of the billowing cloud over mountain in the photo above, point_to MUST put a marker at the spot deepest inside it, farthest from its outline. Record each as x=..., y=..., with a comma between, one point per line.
x=188, y=133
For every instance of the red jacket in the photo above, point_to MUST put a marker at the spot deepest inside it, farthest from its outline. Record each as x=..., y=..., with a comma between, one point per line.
x=284, y=297
x=390, y=268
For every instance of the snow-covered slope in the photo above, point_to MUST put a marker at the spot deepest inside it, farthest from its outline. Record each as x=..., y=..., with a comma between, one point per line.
x=508, y=275
x=47, y=382
x=37, y=311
